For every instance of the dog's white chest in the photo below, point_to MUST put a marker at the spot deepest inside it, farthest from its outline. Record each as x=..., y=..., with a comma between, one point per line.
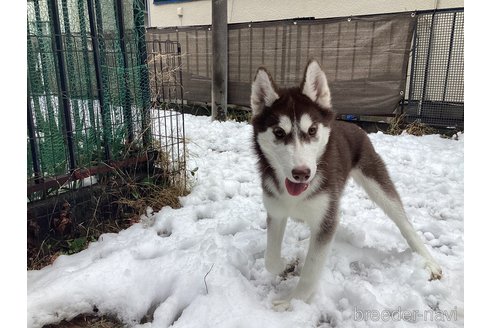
x=311, y=210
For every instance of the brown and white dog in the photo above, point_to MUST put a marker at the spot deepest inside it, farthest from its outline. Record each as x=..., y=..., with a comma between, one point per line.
x=305, y=159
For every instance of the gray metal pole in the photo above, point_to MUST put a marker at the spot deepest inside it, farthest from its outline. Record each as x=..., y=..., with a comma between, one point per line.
x=219, y=63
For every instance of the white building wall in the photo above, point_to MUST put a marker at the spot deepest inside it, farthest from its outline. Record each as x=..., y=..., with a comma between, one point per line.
x=199, y=12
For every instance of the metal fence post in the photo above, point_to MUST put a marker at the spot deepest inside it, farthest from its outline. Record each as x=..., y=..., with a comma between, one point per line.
x=62, y=81
x=451, y=42
x=180, y=68
x=127, y=109
x=99, y=81
x=413, y=52
x=32, y=137
x=427, y=61
x=138, y=18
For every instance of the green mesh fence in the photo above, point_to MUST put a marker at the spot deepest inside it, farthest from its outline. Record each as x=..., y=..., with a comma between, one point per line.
x=88, y=88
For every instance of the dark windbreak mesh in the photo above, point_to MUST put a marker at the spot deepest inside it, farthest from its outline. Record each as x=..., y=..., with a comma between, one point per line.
x=365, y=58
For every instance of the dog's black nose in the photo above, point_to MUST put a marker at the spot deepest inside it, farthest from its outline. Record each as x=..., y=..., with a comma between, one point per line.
x=301, y=174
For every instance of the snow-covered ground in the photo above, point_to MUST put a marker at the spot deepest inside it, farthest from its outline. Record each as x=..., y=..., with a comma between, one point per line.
x=202, y=265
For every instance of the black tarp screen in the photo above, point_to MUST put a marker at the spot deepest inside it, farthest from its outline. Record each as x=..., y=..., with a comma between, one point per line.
x=365, y=58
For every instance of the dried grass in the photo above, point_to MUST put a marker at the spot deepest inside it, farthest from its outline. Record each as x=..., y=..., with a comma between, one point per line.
x=131, y=194
x=419, y=129
x=398, y=125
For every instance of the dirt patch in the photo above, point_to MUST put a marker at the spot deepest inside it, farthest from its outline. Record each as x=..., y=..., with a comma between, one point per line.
x=88, y=321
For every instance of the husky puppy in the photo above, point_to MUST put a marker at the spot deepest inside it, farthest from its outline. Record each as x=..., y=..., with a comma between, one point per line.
x=305, y=158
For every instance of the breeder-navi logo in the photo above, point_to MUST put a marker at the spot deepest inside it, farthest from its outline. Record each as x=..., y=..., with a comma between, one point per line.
x=405, y=315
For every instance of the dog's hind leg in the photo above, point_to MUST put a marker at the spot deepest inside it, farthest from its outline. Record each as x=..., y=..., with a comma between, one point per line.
x=372, y=176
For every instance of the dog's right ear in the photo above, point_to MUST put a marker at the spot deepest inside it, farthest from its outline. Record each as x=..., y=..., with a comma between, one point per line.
x=315, y=85
x=263, y=92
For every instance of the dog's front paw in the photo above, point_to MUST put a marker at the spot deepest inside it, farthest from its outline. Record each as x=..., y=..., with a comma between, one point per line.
x=281, y=305
x=435, y=270
x=275, y=266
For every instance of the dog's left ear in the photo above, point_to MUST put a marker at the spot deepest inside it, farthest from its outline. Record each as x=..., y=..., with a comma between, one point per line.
x=315, y=85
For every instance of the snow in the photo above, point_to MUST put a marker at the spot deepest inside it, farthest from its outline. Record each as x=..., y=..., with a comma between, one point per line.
x=202, y=265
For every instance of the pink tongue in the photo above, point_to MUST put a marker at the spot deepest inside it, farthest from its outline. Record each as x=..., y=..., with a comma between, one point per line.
x=295, y=189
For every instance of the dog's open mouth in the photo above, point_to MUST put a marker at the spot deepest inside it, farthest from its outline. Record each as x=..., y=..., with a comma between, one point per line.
x=295, y=189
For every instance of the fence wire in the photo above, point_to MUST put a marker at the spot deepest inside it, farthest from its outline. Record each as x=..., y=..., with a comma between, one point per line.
x=436, y=93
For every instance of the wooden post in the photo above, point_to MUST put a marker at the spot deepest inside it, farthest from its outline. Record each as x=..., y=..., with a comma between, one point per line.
x=219, y=63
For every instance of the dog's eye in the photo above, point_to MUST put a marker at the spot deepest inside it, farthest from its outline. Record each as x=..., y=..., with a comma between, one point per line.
x=279, y=132
x=312, y=130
